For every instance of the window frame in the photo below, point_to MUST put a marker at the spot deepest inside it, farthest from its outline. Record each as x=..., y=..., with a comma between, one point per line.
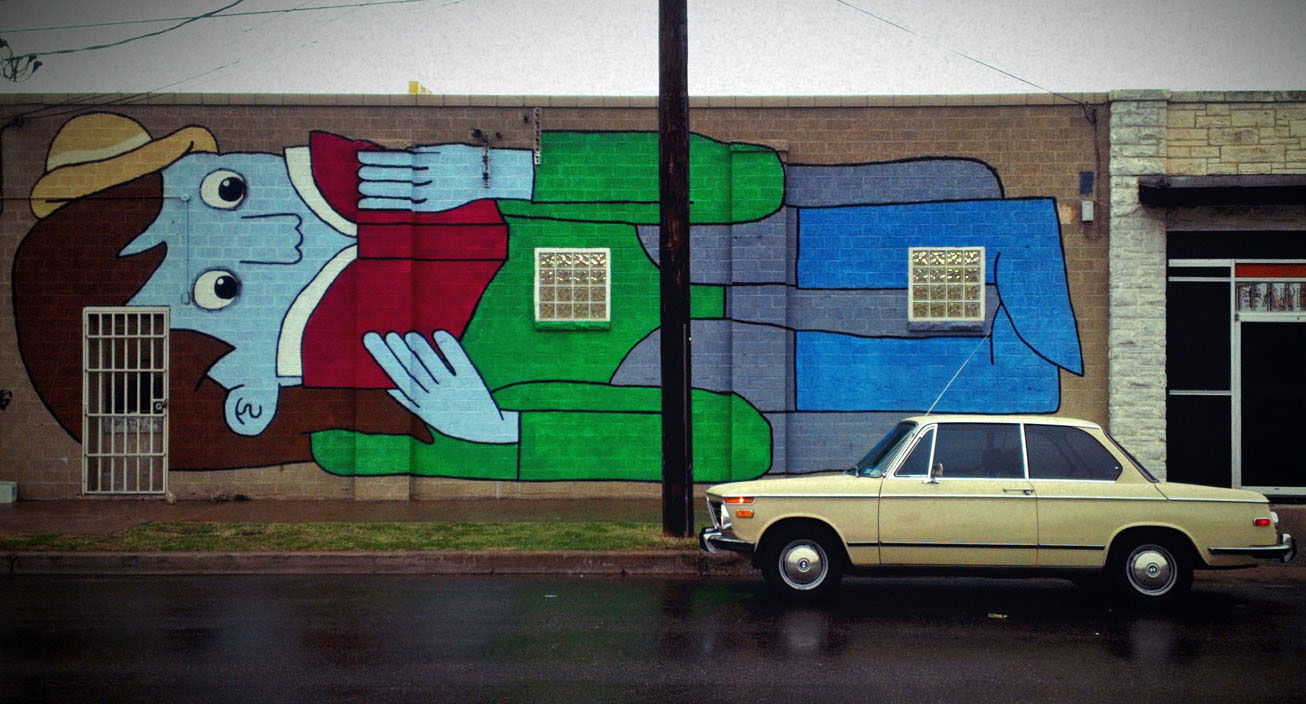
x=601, y=323
x=962, y=320
x=933, y=430
x=1029, y=471
x=916, y=442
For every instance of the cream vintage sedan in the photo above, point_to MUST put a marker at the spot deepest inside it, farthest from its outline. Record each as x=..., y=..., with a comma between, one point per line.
x=1023, y=494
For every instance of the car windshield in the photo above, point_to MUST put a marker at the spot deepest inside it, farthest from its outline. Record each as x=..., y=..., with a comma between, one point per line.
x=875, y=461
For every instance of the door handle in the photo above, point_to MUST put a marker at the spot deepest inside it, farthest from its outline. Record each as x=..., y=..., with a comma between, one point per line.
x=1026, y=492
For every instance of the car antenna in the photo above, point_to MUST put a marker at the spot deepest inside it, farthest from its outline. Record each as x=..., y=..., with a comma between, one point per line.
x=958, y=373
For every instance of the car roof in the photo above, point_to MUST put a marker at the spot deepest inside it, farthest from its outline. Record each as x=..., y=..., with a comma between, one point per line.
x=1033, y=419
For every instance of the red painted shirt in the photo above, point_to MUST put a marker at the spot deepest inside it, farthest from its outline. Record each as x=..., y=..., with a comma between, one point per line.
x=414, y=271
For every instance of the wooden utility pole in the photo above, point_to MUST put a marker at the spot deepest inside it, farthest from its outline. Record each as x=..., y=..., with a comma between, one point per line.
x=673, y=254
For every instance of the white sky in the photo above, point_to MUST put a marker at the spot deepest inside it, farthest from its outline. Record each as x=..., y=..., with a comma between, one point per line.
x=609, y=47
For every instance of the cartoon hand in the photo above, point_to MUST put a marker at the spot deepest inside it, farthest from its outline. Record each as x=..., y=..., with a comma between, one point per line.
x=441, y=177
x=250, y=409
x=452, y=398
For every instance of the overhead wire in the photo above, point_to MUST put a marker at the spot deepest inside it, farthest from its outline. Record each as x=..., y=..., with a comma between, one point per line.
x=963, y=55
x=247, y=13
x=19, y=68
x=82, y=101
x=120, y=42
x=1089, y=112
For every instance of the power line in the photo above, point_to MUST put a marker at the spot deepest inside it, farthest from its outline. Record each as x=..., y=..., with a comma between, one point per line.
x=20, y=68
x=228, y=14
x=958, y=53
x=96, y=100
x=183, y=23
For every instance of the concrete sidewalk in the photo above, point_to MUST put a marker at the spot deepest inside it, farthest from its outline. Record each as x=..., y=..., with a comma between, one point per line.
x=105, y=516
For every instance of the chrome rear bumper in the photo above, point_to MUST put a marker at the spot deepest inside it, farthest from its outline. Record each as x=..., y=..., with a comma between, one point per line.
x=1285, y=551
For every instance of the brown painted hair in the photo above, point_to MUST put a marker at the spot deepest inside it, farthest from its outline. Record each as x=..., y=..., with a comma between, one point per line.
x=69, y=260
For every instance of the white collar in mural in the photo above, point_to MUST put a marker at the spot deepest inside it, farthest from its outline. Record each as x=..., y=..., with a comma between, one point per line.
x=299, y=163
x=291, y=339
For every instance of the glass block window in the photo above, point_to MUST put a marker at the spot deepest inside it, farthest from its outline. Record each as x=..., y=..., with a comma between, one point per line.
x=947, y=284
x=572, y=285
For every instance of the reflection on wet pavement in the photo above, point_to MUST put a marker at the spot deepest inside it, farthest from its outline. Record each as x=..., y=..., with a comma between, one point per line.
x=351, y=638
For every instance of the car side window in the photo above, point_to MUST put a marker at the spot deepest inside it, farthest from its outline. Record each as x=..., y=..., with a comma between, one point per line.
x=1060, y=452
x=918, y=462
x=979, y=451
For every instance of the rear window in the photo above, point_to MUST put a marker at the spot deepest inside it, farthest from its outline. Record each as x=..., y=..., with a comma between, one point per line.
x=1063, y=452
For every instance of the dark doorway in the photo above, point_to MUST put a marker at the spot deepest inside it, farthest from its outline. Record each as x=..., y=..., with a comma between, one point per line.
x=1198, y=398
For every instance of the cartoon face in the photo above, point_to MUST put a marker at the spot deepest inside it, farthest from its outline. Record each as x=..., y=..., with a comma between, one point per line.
x=241, y=246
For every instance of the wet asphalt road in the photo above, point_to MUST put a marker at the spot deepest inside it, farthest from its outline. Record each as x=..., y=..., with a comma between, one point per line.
x=428, y=639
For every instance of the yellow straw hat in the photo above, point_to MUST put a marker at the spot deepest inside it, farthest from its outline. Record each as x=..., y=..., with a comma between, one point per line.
x=98, y=150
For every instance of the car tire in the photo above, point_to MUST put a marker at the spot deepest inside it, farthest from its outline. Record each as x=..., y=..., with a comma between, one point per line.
x=803, y=563
x=1150, y=570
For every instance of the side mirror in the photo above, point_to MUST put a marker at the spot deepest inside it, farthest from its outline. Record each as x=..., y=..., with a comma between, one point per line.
x=936, y=471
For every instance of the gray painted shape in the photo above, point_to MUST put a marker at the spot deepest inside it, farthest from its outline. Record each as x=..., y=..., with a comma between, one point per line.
x=753, y=252
x=823, y=442
x=762, y=357
x=912, y=181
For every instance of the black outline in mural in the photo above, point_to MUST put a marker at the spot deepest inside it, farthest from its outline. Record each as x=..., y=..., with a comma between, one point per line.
x=508, y=219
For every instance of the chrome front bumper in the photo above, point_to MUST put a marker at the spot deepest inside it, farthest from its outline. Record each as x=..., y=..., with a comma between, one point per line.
x=1285, y=551
x=713, y=541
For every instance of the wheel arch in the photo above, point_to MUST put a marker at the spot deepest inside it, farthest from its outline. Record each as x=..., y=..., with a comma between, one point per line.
x=811, y=522
x=1128, y=534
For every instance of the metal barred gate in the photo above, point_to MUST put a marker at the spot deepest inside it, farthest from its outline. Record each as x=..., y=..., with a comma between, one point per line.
x=125, y=400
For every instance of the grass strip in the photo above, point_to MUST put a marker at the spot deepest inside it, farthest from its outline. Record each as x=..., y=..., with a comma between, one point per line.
x=195, y=536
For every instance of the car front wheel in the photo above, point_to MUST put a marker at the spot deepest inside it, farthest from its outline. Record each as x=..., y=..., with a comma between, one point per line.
x=803, y=564
x=1151, y=570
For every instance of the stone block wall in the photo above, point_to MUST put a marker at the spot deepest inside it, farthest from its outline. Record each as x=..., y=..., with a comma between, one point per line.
x=1158, y=132
x=1137, y=275
x=1214, y=134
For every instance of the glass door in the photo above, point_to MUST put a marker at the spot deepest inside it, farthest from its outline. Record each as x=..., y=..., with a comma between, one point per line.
x=1271, y=378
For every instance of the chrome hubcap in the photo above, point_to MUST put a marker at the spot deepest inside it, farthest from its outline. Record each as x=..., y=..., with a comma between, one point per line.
x=803, y=564
x=1151, y=570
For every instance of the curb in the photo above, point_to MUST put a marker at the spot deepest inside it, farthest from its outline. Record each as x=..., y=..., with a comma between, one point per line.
x=664, y=563
x=652, y=563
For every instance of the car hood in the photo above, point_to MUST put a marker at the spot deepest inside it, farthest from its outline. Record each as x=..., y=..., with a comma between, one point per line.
x=1194, y=492
x=811, y=484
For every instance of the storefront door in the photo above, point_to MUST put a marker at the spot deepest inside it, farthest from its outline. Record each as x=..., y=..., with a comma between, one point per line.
x=1270, y=378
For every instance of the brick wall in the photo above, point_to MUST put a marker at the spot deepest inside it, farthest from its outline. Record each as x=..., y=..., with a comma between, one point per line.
x=1037, y=147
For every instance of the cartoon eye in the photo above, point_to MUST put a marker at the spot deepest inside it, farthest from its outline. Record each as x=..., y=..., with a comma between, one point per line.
x=223, y=189
x=216, y=289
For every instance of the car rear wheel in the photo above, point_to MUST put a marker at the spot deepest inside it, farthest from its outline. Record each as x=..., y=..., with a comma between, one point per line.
x=1151, y=570
x=803, y=563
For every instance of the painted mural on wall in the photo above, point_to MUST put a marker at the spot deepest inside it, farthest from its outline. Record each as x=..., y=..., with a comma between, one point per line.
x=460, y=311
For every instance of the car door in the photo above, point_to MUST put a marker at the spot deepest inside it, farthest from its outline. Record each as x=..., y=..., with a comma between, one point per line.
x=979, y=510
x=1081, y=500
